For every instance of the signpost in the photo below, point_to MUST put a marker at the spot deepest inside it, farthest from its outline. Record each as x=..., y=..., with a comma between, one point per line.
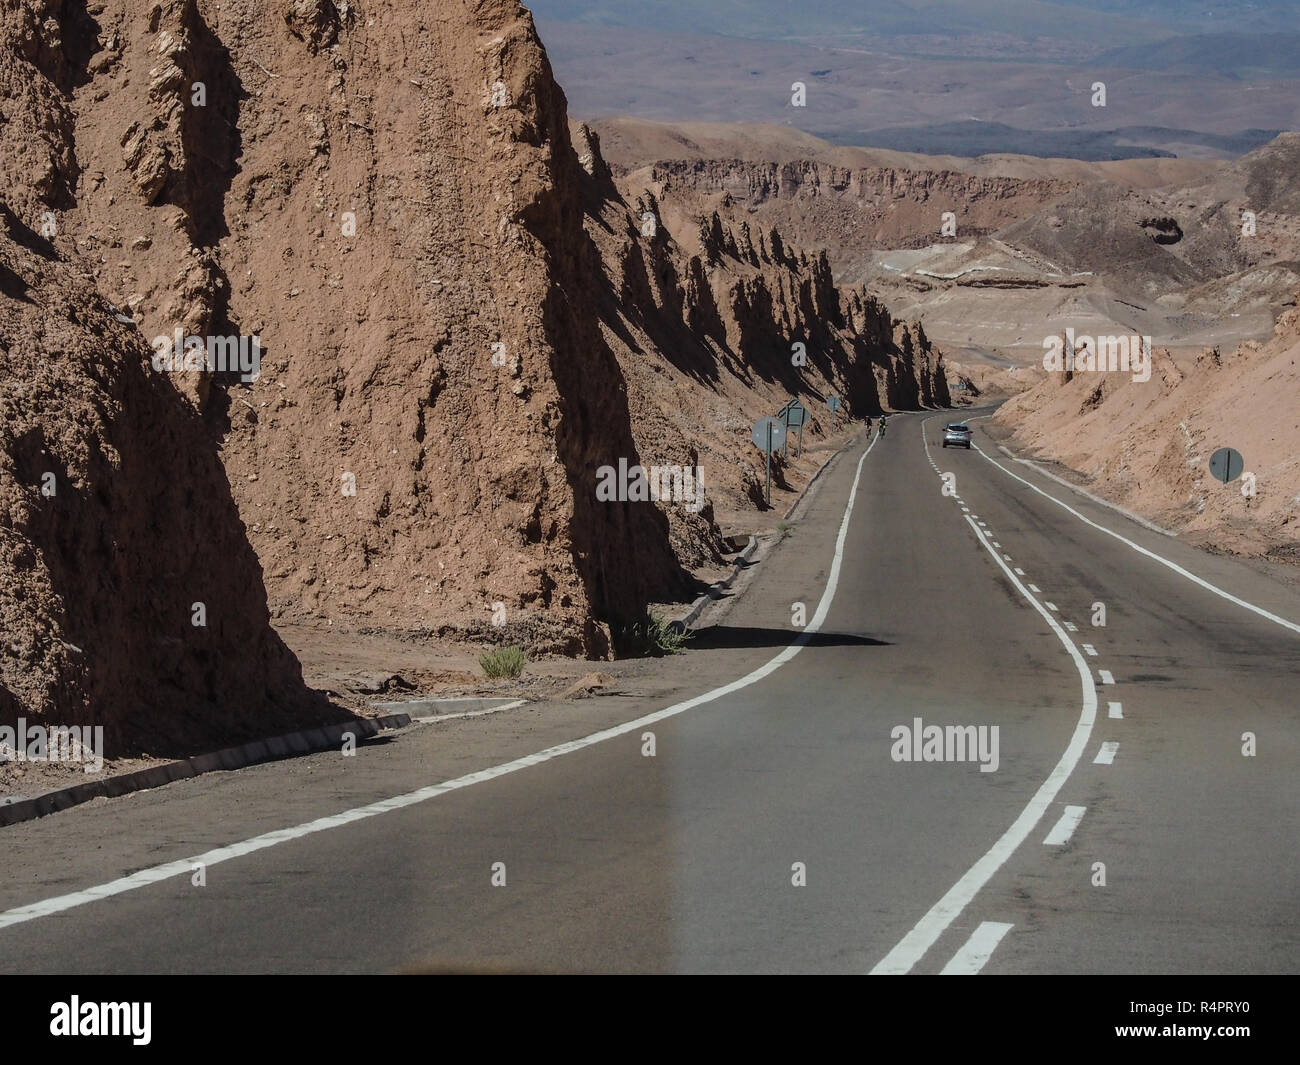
x=1227, y=464
x=792, y=416
x=833, y=403
x=768, y=435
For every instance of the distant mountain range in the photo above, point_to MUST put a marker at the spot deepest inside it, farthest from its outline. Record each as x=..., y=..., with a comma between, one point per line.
x=972, y=138
x=1241, y=55
x=1085, y=24
x=1183, y=77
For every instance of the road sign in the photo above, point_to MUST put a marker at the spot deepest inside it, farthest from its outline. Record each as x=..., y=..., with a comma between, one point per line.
x=768, y=435
x=1226, y=464
x=833, y=402
x=793, y=414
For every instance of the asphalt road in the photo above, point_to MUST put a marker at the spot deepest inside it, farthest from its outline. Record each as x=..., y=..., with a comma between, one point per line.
x=772, y=830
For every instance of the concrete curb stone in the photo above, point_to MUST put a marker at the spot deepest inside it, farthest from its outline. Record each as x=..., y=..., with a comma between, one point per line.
x=271, y=749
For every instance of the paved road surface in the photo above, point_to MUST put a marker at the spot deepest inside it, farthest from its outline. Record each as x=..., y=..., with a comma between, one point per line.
x=686, y=860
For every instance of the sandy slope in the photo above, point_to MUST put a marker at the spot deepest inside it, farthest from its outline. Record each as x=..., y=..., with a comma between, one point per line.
x=1147, y=445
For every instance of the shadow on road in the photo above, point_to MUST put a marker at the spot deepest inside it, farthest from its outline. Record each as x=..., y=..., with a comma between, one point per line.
x=719, y=636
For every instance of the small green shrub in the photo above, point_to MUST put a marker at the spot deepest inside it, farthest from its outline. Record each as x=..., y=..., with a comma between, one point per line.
x=651, y=636
x=503, y=662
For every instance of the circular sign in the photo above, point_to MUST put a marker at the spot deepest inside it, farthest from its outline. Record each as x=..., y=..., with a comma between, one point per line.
x=768, y=433
x=833, y=402
x=1226, y=464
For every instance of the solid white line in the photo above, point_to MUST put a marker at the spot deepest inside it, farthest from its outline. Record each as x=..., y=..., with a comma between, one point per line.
x=1092, y=651
x=1106, y=676
x=1064, y=828
x=1115, y=709
x=1293, y=626
x=1088, y=495
x=236, y=850
x=975, y=953
x=930, y=927
x=1106, y=753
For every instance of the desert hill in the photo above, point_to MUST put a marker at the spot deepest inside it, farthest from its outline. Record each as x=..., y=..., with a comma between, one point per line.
x=1147, y=445
x=459, y=317
x=127, y=585
x=1033, y=245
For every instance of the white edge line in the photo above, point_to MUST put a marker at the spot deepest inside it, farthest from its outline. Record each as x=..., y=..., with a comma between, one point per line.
x=158, y=873
x=930, y=927
x=1144, y=522
x=1151, y=554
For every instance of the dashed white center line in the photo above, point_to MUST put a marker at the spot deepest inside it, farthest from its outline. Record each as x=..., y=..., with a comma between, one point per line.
x=1115, y=709
x=1019, y=572
x=996, y=544
x=965, y=510
x=1090, y=649
x=1052, y=607
x=1037, y=590
x=1064, y=828
x=913, y=946
x=975, y=953
x=1106, y=676
x=1106, y=754
x=1070, y=626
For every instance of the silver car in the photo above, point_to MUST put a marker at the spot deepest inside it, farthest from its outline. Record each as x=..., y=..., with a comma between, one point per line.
x=957, y=435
